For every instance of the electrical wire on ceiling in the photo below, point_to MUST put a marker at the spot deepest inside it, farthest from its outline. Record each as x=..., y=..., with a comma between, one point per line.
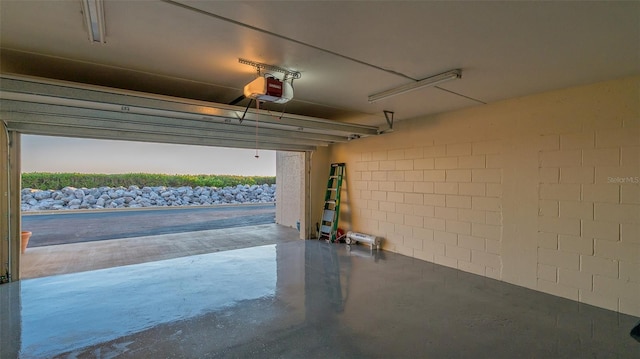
x=302, y=43
x=255, y=28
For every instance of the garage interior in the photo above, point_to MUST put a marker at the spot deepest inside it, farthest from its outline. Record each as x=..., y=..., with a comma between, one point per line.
x=507, y=195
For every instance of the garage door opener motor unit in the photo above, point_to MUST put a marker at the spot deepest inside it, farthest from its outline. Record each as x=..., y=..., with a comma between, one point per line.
x=269, y=89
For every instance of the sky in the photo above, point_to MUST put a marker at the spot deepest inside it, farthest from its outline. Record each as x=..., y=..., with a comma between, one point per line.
x=62, y=154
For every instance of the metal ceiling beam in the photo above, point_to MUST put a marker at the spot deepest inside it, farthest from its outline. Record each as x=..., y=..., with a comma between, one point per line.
x=126, y=106
x=96, y=124
x=202, y=113
x=68, y=131
x=98, y=119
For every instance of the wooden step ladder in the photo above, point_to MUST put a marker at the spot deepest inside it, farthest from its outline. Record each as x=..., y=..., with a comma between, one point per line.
x=331, y=211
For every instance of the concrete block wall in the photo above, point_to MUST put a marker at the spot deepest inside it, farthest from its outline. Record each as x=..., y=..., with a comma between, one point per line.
x=440, y=203
x=541, y=191
x=589, y=217
x=290, y=187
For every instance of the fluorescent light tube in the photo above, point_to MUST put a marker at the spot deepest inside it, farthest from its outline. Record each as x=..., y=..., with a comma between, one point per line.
x=429, y=81
x=94, y=19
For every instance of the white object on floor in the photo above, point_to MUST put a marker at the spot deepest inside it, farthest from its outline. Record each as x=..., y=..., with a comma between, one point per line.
x=354, y=237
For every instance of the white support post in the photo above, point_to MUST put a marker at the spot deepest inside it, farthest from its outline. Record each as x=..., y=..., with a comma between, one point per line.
x=4, y=203
x=307, y=230
x=14, y=204
x=9, y=204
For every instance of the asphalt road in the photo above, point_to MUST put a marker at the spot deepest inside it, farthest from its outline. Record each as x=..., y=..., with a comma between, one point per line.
x=62, y=228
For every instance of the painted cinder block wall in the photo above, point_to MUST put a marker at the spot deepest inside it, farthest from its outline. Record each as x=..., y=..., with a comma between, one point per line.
x=290, y=187
x=541, y=191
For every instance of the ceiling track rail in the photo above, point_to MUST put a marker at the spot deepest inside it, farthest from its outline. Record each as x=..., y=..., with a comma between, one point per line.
x=288, y=74
x=23, y=98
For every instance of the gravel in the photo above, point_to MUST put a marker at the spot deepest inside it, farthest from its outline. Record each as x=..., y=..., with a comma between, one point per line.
x=135, y=197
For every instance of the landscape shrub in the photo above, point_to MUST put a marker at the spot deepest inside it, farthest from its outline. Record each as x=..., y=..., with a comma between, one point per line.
x=47, y=180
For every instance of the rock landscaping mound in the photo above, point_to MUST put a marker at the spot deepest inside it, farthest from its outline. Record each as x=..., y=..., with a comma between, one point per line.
x=135, y=197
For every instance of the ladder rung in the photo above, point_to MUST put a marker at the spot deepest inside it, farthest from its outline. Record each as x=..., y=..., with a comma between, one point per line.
x=328, y=215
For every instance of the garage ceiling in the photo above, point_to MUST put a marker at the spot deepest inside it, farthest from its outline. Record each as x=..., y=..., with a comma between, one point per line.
x=345, y=52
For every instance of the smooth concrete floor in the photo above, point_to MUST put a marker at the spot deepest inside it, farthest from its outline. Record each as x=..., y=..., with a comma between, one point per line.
x=79, y=257
x=299, y=299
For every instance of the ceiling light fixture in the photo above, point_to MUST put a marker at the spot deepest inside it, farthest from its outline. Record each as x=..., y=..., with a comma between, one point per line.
x=94, y=19
x=429, y=81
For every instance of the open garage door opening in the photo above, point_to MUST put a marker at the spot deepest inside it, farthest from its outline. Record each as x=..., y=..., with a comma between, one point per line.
x=85, y=227
x=46, y=107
